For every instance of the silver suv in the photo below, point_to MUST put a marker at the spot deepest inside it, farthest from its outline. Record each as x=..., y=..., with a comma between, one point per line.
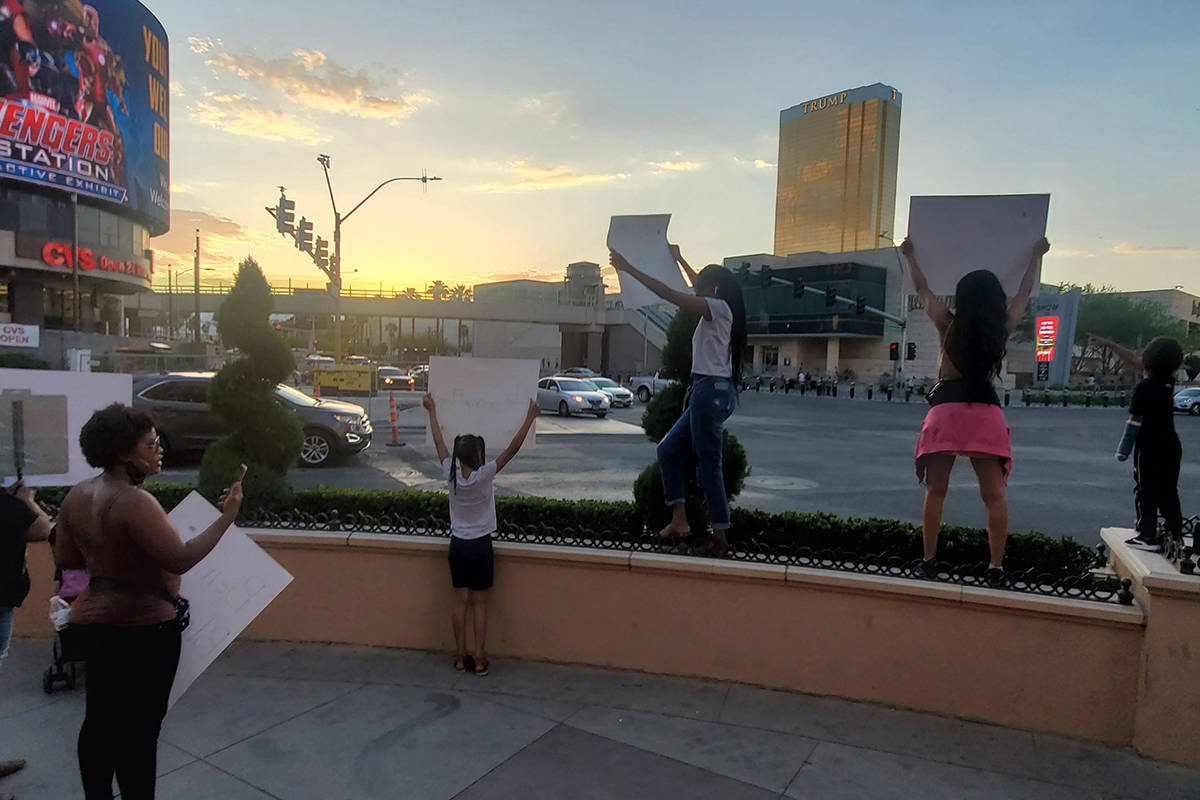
x=178, y=401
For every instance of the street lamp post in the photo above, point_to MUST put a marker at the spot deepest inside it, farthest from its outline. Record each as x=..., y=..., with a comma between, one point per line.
x=336, y=266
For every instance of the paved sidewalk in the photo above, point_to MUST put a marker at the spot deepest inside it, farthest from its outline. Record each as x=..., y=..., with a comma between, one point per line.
x=278, y=720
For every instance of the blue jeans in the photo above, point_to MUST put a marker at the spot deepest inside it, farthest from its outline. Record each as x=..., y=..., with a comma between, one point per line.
x=698, y=432
x=6, y=626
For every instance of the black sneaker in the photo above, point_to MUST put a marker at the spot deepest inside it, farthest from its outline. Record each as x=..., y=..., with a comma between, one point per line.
x=994, y=577
x=926, y=570
x=1138, y=543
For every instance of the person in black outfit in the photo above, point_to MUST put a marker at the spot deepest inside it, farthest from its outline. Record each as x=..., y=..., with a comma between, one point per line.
x=21, y=521
x=1150, y=435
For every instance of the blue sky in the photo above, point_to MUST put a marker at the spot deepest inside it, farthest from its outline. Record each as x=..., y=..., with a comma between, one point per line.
x=545, y=118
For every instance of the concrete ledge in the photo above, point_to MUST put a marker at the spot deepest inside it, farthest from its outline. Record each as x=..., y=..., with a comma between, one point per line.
x=872, y=584
x=1151, y=570
x=618, y=559
x=386, y=542
x=285, y=538
x=1019, y=602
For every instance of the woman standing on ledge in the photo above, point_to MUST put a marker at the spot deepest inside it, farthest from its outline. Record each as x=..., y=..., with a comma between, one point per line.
x=717, y=347
x=965, y=417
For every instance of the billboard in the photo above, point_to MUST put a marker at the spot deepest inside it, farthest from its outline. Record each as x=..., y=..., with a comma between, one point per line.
x=1047, y=334
x=84, y=103
x=1055, y=319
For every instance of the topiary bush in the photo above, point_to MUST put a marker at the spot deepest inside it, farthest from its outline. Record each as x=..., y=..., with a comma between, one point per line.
x=662, y=411
x=263, y=435
x=648, y=489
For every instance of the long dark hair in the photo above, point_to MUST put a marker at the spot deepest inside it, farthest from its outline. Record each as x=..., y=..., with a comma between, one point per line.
x=469, y=449
x=978, y=337
x=724, y=285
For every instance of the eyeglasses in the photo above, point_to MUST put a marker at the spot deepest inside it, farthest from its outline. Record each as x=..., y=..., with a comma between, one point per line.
x=154, y=445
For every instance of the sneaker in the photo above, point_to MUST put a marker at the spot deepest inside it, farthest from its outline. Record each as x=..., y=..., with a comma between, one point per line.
x=926, y=570
x=1139, y=543
x=994, y=577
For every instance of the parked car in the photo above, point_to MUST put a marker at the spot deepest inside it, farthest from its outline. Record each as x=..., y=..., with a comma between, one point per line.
x=646, y=387
x=185, y=422
x=568, y=396
x=618, y=395
x=393, y=378
x=420, y=376
x=1188, y=400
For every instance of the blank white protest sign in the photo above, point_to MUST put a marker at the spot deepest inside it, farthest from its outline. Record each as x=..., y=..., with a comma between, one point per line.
x=226, y=591
x=954, y=235
x=486, y=397
x=642, y=240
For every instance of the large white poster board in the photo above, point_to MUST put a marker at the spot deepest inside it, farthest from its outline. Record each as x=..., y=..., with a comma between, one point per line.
x=53, y=407
x=642, y=239
x=487, y=397
x=955, y=235
x=227, y=590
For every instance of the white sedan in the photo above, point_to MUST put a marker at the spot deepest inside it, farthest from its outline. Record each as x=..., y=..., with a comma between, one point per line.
x=570, y=396
x=618, y=395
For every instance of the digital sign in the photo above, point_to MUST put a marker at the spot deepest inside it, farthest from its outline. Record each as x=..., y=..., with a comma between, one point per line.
x=84, y=103
x=1047, y=334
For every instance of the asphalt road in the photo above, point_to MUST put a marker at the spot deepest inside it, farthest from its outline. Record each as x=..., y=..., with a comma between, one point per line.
x=849, y=457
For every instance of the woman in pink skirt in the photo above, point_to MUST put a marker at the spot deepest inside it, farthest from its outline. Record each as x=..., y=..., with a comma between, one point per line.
x=965, y=417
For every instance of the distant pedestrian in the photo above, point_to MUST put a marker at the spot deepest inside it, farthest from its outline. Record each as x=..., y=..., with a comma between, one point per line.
x=965, y=416
x=1150, y=436
x=717, y=347
x=472, y=522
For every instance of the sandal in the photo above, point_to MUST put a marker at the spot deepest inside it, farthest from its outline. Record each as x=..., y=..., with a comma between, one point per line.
x=667, y=533
x=716, y=545
x=464, y=663
x=481, y=667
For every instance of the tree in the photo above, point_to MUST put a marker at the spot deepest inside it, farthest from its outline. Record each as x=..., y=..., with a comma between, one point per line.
x=677, y=352
x=438, y=290
x=461, y=293
x=411, y=294
x=263, y=435
x=1114, y=315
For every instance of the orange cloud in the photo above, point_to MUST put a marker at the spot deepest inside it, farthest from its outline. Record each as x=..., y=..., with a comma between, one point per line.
x=243, y=115
x=537, y=178
x=1130, y=249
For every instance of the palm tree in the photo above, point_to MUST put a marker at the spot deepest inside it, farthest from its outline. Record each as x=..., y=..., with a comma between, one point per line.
x=412, y=294
x=459, y=292
x=438, y=290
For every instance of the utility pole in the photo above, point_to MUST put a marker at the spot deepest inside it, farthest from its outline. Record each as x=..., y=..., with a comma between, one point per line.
x=196, y=274
x=335, y=266
x=170, y=305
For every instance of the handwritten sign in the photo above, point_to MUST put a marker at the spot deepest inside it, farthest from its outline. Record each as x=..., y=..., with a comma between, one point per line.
x=57, y=405
x=227, y=590
x=642, y=240
x=956, y=235
x=486, y=397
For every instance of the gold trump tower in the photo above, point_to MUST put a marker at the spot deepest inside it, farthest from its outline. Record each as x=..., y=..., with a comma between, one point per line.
x=837, y=172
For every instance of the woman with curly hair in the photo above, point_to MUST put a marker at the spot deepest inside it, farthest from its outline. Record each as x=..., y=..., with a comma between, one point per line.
x=965, y=417
x=130, y=616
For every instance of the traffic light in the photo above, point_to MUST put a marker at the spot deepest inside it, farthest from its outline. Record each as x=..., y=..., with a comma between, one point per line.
x=798, y=288
x=894, y=351
x=911, y=354
x=860, y=305
x=830, y=296
x=764, y=277
x=284, y=214
x=304, y=236
x=314, y=344
x=278, y=326
x=321, y=254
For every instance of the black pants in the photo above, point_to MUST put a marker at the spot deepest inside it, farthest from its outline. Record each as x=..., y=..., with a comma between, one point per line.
x=129, y=677
x=1156, y=490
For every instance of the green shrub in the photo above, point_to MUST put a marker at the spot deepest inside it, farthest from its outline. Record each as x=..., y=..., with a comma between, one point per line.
x=648, y=491
x=677, y=351
x=21, y=361
x=263, y=435
x=778, y=534
x=662, y=411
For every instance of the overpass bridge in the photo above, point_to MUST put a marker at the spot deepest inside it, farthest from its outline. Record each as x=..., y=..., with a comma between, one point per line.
x=590, y=321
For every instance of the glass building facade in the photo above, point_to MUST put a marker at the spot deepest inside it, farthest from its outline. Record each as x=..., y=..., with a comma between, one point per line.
x=837, y=172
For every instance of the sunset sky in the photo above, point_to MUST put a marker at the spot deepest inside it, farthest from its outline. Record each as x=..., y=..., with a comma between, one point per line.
x=544, y=118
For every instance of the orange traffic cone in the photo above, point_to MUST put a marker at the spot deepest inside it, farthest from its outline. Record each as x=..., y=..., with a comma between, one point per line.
x=395, y=442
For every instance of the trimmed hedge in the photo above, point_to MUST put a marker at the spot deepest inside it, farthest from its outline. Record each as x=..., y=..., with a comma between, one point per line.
x=621, y=522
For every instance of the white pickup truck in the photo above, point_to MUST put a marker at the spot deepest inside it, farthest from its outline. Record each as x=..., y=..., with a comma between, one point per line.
x=646, y=387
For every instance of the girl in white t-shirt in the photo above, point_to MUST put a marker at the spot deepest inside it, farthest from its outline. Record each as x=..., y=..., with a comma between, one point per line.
x=717, y=347
x=472, y=523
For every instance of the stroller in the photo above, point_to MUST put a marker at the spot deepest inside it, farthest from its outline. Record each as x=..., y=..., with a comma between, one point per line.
x=68, y=650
